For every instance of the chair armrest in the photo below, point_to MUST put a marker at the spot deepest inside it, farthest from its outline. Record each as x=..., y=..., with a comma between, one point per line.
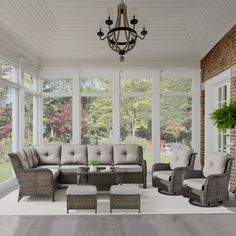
x=217, y=181
x=191, y=174
x=144, y=165
x=160, y=166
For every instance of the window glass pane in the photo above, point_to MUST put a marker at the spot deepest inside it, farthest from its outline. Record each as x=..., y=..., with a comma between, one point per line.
x=95, y=85
x=136, y=123
x=28, y=80
x=57, y=85
x=175, y=85
x=5, y=132
x=96, y=120
x=176, y=124
x=28, y=119
x=6, y=70
x=57, y=119
x=135, y=85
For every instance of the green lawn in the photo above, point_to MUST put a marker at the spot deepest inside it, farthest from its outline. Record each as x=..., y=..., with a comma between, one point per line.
x=5, y=171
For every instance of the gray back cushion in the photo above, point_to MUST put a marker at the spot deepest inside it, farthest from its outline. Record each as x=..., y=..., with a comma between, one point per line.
x=126, y=154
x=32, y=157
x=73, y=154
x=180, y=158
x=48, y=154
x=214, y=163
x=23, y=159
x=100, y=153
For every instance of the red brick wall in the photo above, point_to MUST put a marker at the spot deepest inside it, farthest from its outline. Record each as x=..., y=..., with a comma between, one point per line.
x=219, y=59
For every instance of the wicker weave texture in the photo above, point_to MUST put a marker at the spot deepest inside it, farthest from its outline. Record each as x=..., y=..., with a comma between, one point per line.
x=118, y=201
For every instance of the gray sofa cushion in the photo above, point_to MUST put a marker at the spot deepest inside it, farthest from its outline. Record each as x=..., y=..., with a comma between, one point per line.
x=48, y=167
x=126, y=154
x=130, y=168
x=71, y=167
x=73, y=154
x=214, y=163
x=23, y=159
x=101, y=153
x=48, y=154
x=32, y=157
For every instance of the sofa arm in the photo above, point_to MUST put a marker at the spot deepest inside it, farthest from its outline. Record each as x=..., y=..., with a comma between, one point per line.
x=191, y=174
x=35, y=177
x=160, y=166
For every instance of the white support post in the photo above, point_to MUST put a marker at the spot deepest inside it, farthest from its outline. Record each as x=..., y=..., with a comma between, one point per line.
x=156, y=116
x=21, y=104
x=76, y=111
x=37, y=114
x=116, y=108
x=15, y=113
x=196, y=77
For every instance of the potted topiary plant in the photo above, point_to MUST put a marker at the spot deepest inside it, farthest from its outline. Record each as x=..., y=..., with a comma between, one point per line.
x=93, y=165
x=225, y=117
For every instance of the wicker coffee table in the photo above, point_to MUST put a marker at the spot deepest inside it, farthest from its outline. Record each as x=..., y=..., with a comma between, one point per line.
x=102, y=178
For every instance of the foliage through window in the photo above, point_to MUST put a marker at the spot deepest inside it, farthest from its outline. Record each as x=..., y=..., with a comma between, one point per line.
x=57, y=119
x=28, y=119
x=136, y=123
x=175, y=85
x=135, y=85
x=6, y=70
x=28, y=80
x=57, y=85
x=175, y=124
x=95, y=85
x=5, y=132
x=96, y=120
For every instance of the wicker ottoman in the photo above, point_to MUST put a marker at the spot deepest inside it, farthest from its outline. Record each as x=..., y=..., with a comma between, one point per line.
x=81, y=197
x=126, y=196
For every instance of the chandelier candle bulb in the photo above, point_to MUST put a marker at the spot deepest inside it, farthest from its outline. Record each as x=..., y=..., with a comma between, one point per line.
x=122, y=38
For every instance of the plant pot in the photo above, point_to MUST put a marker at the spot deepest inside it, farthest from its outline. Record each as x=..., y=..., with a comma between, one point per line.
x=92, y=168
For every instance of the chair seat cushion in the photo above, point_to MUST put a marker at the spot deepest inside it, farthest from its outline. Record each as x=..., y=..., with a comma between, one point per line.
x=71, y=167
x=163, y=174
x=125, y=189
x=55, y=171
x=197, y=183
x=81, y=190
x=130, y=168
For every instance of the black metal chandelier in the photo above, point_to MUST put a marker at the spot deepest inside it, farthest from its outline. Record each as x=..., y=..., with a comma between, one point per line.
x=122, y=38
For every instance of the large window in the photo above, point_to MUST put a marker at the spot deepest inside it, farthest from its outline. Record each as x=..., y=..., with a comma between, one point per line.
x=96, y=120
x=57, y=119
x=5, y=132
x=96, y=110
x=175, y=116
x=28, y=119
x=136, y=114
x=6, y=70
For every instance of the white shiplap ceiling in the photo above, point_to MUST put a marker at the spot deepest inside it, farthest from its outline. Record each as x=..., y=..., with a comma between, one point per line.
x=63, y=32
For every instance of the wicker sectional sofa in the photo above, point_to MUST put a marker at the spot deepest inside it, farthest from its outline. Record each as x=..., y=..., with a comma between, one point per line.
x=39, y=169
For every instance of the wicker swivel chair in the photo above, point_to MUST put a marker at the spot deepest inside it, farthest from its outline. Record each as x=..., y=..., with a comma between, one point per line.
x=168, y=177
x=209, y=187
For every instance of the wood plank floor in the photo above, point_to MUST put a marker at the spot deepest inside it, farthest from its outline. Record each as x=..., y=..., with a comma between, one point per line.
x=125, y=225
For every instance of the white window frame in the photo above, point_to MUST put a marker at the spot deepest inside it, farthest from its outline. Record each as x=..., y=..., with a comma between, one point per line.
x=211, y=104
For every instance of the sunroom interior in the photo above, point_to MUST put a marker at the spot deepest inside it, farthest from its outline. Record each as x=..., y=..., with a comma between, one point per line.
x=60, y=84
